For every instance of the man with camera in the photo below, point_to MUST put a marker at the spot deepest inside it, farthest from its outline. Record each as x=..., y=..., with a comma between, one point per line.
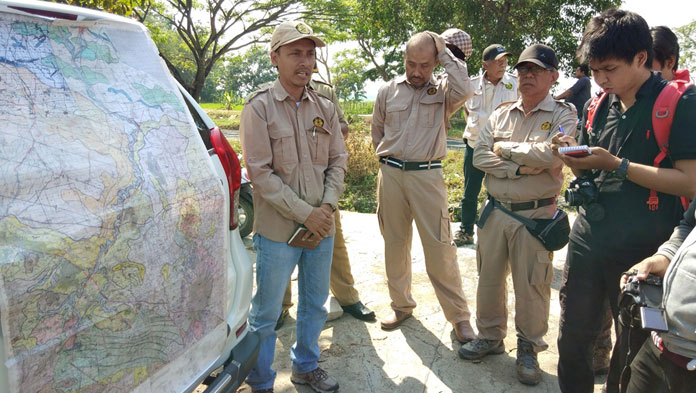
x=669, y=358
x=523, y=176
x=619, y=222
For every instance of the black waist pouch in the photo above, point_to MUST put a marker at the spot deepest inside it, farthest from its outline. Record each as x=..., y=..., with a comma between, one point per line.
x=553, y=232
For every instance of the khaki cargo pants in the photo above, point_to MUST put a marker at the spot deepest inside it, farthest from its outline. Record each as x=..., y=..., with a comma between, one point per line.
x=505, y=246
x=405, y=196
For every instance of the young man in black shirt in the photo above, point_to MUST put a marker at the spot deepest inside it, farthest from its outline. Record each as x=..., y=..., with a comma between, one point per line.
x=620, y=228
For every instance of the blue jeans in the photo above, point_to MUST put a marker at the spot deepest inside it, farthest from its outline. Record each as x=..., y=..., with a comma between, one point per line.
x=473, y=177
x=275, y=262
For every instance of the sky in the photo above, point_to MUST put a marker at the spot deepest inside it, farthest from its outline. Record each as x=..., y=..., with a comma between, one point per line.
x=670, y=13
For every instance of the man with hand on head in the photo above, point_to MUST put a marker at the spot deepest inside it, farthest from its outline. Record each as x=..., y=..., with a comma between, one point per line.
x=523, y=177
x=409, y=136
x=296, y=160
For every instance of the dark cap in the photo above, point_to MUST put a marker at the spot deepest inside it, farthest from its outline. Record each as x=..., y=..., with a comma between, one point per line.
x=540, y=55
x=494, y=52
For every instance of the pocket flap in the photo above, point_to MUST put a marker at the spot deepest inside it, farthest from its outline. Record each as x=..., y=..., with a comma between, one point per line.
x=277, y=133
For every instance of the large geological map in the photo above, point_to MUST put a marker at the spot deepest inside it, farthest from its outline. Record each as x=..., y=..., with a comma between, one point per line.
x=111, y=216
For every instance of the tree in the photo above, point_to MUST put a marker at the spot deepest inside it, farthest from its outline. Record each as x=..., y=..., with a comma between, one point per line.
x=121, y=7
x=349, y=75
x=244, y=74
x=210, y=29
x=381, y=27
x=687, y=45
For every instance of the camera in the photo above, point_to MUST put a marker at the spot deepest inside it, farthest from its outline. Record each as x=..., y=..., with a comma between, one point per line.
x=583, y=192
x=640, y=302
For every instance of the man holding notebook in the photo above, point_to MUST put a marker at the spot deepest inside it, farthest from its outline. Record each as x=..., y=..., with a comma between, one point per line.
x=296, y=159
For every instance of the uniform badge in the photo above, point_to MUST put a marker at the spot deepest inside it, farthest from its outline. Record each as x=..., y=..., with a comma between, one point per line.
x=546, y=126
x=432, y=91
x=550, y=255
x=318, y=122
x=508, y=86
x=303, y=28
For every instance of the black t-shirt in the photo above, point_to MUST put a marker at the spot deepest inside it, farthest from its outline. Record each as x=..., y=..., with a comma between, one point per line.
x=630, y=230
x=581, y=93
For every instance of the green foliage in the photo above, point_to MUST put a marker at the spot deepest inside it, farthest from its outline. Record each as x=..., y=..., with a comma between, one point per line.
x=349, y=76
x=120, y=7
x=357, y=107
x=360, y=192
x=225, y=119
x=687, y=45
x=245, y=73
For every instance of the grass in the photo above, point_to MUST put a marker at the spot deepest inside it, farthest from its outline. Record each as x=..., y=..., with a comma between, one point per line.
x=224, y=118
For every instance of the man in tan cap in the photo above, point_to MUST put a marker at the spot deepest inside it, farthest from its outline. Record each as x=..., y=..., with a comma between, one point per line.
x=493, y=87
x=296, y=160
x=522, y=176
x=409, y=136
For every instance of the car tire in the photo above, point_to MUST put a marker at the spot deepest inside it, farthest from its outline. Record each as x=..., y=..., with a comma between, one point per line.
x=246, y=217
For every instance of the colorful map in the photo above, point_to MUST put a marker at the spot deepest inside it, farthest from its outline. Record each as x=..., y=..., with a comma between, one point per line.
x=112, y=256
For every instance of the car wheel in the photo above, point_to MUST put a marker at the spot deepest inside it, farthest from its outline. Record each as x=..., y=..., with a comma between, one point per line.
x=246, y=217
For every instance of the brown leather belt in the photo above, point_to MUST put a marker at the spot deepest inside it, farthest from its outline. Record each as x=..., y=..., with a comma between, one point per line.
x=514, y=206
x=410, y=165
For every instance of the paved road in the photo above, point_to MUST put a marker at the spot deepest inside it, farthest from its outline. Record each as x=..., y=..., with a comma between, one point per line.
x=420, y=356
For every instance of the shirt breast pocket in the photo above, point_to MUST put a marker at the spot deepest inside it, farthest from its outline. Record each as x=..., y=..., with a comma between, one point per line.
x=283, y=145
x=502, y=135
x=396, y=116
x=431, y=111
x=319, y=140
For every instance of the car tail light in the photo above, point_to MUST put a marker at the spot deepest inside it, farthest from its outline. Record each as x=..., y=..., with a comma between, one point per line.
x=233, y=171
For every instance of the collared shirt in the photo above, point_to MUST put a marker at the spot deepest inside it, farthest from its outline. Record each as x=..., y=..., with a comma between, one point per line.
x=526, y=140
x=635, y=230
x=580, y=93
x=409, y=123
x=295, y=157
x=329, y=92
x=486, y=98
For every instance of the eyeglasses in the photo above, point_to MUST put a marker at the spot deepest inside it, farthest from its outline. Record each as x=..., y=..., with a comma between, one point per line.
x=536, y=70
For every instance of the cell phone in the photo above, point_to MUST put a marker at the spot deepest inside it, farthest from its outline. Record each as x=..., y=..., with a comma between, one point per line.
x=575, y=151
x=653, y=319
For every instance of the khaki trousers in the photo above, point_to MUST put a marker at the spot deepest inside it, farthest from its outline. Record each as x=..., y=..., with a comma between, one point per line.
x=421, y=195
x=506, y=246
x=341, y=282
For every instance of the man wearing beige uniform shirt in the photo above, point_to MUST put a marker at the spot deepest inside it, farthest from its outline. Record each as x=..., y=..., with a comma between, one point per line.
x=409, y=136
x=296, y=160
x=523, y=175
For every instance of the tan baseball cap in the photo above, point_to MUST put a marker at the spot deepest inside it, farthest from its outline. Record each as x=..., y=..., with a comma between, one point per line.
x=291, y=31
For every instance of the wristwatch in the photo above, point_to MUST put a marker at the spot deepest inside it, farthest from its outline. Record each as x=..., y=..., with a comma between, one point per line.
x=621, y=171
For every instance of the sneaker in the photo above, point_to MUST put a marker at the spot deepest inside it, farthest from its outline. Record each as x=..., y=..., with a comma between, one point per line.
x=462, y=238
x=528, y=371
x=318, y=380
x=480, y=347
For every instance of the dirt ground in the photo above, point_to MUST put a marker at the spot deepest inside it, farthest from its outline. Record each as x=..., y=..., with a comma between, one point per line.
x=421, y=356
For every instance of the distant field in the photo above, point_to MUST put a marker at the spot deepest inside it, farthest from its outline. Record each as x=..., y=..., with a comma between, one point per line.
x=218, y=105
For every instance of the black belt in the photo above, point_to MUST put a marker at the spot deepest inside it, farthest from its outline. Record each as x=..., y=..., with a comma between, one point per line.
x=511, y=206
x=527, y=205
x=410, y=165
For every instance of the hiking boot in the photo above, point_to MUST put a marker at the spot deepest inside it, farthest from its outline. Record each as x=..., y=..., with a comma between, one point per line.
x=318, y=380
x=528, y=371
x=462, y=238
x=480, y=347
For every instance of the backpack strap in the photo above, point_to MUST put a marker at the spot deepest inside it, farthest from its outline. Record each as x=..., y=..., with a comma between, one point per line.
x=592, y=110
x=662, y=118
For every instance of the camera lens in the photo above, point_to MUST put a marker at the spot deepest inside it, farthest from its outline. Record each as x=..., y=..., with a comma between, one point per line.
x=573, y=198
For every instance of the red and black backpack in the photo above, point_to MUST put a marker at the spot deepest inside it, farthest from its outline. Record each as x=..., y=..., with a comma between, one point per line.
x=662, y=117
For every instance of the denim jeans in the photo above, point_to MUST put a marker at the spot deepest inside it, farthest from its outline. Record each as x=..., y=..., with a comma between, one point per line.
x=275, y=262
x=473, y=177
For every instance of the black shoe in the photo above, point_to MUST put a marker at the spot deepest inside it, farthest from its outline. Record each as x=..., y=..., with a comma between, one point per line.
x=359, y=311
x=281, y=319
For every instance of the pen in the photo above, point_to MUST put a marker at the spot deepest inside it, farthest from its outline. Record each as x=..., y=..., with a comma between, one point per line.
x=314, y=131
x=560, y=128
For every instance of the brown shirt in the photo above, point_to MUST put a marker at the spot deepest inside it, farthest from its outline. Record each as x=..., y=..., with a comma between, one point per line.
x=295, y=157
x=526, y=140
x=329, y=92
x=409, y=123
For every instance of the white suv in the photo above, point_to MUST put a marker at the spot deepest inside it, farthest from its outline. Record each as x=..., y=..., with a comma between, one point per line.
x=121, y=265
